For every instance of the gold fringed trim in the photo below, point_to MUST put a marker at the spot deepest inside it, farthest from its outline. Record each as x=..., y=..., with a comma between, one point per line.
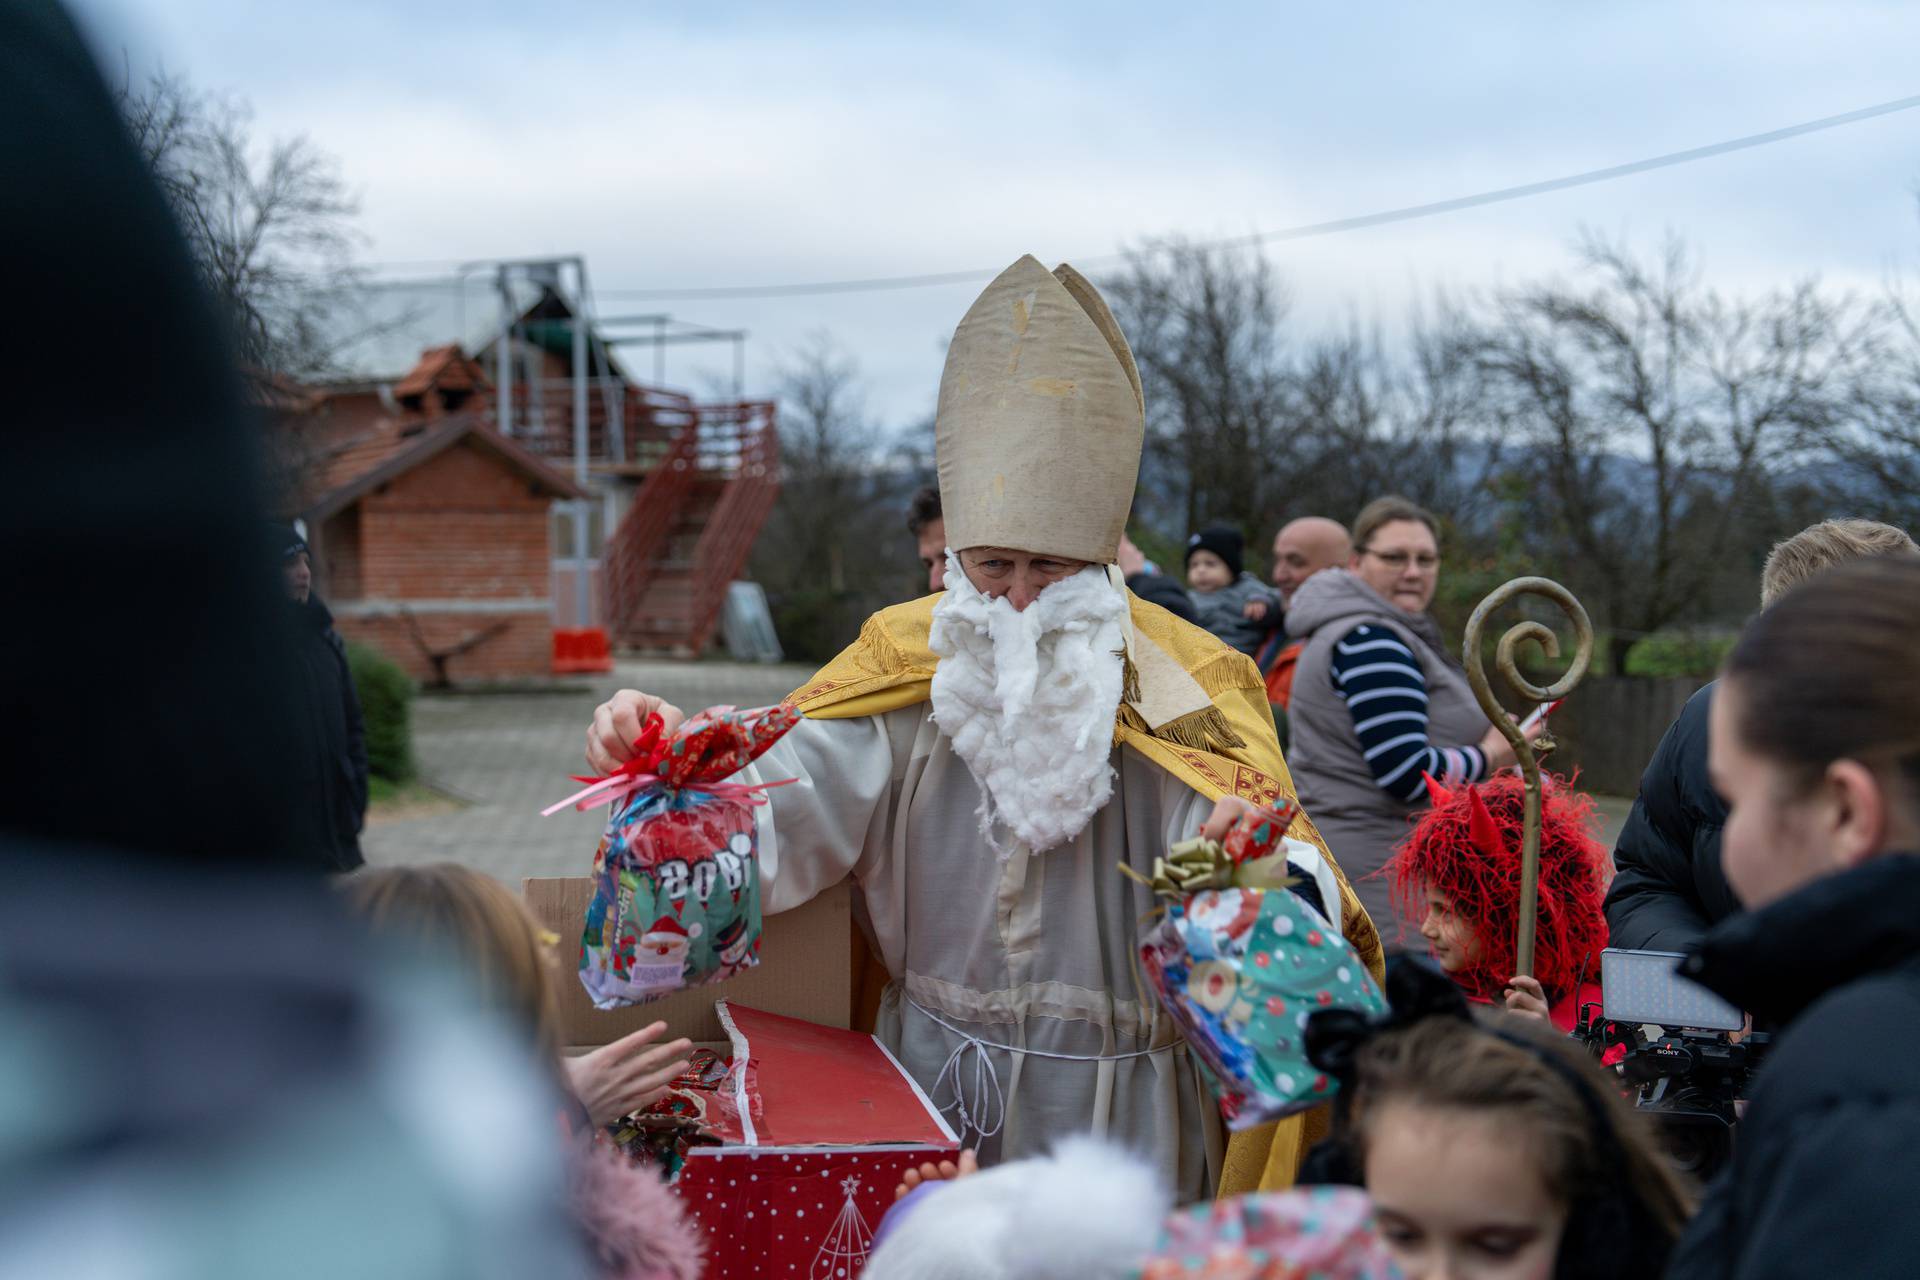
x=1203, y=730
x=1129, y=677
x=1227, y=673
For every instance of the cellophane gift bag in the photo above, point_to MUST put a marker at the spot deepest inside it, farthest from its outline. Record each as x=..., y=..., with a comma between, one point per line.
x=676, y=897
x=1240, y=962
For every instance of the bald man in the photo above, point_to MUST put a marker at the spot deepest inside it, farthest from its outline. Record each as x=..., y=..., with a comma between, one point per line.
x=1304, y=547
x=1301, y=549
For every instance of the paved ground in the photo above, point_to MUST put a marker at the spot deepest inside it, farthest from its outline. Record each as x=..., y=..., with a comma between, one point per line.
x=507, y=756
x=1613, y=812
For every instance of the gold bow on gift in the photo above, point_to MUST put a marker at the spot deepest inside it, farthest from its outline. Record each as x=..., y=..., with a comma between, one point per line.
x=1192, y=866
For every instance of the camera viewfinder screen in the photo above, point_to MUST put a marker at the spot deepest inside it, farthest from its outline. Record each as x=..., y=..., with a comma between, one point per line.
x=1642, y=986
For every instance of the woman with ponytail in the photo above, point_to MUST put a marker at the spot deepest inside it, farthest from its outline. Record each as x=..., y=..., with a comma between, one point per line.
x=1815, y=745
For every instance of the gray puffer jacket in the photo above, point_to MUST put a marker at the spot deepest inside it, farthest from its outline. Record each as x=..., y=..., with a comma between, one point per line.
x=1362, y=824
x=1223, y=612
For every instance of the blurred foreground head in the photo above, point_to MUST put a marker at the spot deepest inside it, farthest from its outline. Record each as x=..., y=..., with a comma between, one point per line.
x=143, y=682
x=479, y=922
x=202, y=1071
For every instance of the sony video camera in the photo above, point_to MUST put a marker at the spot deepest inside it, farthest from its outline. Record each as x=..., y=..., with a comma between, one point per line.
x=1675, y=1045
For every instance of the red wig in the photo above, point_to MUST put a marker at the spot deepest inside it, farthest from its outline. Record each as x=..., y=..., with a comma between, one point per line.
x=1467, y=846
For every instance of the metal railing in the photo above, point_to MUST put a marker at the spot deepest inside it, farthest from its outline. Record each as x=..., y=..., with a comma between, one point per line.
x=632, y=554
x=737, y=443
x=627, y=426
x=727, y=540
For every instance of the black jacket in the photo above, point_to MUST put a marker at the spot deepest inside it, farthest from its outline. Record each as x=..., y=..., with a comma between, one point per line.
x=1827, y=1159
x=1158, y=588
x=1667, y=886
x=333, y=737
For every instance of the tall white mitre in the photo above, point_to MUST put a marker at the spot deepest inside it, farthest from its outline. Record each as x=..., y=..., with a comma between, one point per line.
x=1040, y=420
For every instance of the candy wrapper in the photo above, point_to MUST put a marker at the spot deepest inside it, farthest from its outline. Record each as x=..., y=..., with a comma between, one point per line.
x=1239, y=960
x=676, y=899
x=663, y=1132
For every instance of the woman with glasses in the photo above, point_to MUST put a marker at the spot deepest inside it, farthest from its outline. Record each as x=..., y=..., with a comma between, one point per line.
x=1379, y=699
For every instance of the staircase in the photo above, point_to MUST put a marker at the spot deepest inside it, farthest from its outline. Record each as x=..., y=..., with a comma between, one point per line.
x=691, y=528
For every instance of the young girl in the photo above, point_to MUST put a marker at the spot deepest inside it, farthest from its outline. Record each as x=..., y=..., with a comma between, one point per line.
x=1458, y=873
x=1497, y=1149
x=634, y=1223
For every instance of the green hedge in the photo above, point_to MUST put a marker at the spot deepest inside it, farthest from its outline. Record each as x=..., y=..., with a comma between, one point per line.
x=1680, y=653
x=386, y=700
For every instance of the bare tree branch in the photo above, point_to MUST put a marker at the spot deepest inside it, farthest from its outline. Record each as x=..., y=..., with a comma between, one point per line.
x=1660, y=417
x=272, y=230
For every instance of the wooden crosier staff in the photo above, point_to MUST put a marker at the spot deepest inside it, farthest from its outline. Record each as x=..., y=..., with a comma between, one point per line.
x=1525, y=751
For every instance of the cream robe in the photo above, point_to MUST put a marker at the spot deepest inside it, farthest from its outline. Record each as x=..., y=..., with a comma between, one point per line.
x=1035, y=952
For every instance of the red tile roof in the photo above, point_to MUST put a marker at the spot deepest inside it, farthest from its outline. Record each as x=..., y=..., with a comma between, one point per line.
x=446, y=368
x=357, y=468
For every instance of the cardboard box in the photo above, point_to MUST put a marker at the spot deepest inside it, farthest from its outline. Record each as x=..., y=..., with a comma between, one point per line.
x=823, y=1124
x=806, y=969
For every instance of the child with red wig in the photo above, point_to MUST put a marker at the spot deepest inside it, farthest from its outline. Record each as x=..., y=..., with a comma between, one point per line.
x=1458, y=873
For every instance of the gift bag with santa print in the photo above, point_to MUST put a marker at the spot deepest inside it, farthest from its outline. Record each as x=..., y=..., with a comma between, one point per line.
x=1243, y=956
x=676, y=898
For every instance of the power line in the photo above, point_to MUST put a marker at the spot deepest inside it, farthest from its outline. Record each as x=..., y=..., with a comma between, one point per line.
x=1406, y=213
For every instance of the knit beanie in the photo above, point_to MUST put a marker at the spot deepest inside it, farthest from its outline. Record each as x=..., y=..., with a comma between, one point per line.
x=284, y=541
x=1223, y=541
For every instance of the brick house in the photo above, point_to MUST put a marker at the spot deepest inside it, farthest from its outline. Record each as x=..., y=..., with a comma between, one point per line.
x=437, y=538
x=450, y=543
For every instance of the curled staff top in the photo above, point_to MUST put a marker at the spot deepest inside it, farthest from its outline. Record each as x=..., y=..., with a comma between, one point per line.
x=1506, y=654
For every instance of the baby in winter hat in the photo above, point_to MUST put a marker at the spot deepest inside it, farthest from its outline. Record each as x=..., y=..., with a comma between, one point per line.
x=1227, y=600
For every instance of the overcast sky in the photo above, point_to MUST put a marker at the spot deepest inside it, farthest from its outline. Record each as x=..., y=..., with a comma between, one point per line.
x=716, y=144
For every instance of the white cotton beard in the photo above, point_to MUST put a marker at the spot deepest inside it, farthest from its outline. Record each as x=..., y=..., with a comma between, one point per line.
x=1028, y=699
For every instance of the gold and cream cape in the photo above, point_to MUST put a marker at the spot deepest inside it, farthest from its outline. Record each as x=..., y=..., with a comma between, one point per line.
x=1193, y=708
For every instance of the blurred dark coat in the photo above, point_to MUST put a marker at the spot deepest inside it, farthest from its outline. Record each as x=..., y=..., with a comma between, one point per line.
x=1827, y=1158
x=335, y=733
x=1668, y=889
x=1158, y=588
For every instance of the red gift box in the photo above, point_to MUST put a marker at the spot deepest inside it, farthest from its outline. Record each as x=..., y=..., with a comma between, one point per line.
x=822, y=1125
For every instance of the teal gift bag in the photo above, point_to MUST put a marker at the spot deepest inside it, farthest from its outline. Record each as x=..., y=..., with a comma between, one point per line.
x=1240, y=962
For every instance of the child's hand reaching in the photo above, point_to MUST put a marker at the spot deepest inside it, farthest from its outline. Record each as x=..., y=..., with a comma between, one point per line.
x=1526, y=997
x=628, y=1075
x=945, y=1171
x=1255, y=610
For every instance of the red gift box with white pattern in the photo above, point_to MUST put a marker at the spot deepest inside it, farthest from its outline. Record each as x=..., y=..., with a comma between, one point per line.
x=822, y=1125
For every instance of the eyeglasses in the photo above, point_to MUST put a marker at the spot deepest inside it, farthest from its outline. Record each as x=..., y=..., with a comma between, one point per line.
x=1398, y=560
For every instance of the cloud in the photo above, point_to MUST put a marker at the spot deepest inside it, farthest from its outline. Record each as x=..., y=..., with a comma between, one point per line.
x=698, y=146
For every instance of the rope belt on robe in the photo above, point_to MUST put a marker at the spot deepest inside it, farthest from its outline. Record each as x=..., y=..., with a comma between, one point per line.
x=971, y=1111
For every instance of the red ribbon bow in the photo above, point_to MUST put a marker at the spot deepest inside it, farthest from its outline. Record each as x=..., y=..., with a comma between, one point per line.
x=703, y=752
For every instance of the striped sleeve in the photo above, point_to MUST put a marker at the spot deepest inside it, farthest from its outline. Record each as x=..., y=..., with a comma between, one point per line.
x=1380, y=680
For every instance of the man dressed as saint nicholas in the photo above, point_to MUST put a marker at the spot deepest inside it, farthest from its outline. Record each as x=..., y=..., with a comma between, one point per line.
x=980, y=762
